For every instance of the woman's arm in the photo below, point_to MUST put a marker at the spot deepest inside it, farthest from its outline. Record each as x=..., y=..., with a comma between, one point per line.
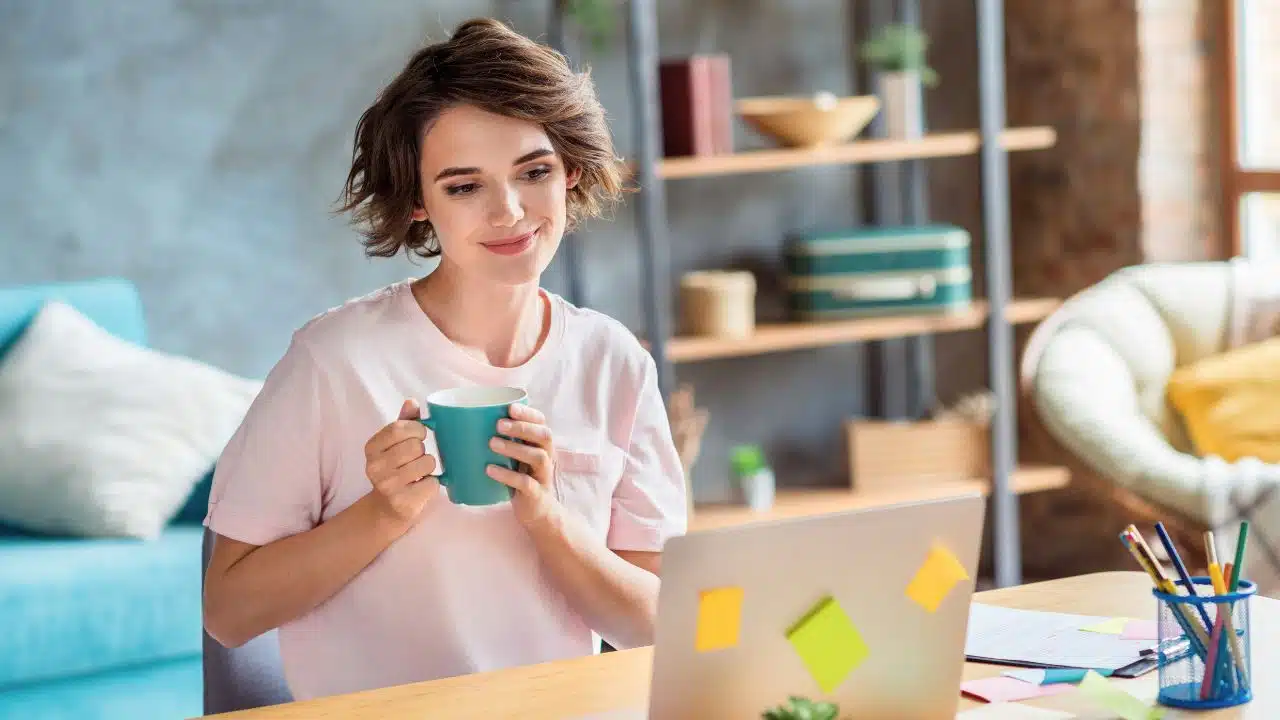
x=250, y=589
x=616, y=595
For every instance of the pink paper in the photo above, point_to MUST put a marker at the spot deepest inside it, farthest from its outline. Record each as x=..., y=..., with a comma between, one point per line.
x=1141, y=630
x=1007, y=689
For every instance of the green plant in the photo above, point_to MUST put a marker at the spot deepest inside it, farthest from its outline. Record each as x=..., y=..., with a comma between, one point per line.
x=899, y=48
x=799, y=708
x=595, y=17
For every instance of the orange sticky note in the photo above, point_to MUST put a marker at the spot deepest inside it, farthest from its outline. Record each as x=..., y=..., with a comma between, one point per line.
x=940, y=572
x=719, y=617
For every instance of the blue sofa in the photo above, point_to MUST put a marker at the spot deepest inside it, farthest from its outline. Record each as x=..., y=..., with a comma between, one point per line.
x=99, y=628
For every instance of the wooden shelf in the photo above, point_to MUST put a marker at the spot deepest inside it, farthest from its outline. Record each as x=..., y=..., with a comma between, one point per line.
x=781, y=337
x=860, y=151
x=818, y=501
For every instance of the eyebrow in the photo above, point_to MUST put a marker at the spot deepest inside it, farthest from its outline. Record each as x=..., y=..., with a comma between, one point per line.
x=453, y=171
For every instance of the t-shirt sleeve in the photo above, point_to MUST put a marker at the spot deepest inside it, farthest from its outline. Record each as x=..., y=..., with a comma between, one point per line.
x=269, y=482
x=649, y=504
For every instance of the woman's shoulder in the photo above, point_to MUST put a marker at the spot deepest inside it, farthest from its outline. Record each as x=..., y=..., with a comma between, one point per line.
x=354, y=321
x=603, y=339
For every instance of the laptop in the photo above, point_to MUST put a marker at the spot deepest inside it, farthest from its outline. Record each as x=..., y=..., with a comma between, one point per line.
x=906, y=660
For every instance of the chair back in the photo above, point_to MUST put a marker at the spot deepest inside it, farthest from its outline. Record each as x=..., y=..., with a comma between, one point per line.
x=242, y=678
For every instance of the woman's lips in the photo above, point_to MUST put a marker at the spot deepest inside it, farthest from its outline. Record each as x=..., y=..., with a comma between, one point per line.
x=512, y=246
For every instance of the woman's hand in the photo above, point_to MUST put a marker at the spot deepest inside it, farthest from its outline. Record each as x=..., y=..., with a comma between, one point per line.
x=533, y=498
x=399, y=468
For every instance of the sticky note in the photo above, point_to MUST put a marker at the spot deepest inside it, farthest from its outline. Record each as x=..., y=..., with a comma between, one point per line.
x=935, y=578
x=1006, y=689
x=828, y=643
x=719, y=618
x=1012, y=711
x=1141, y=630
x=1114, y=626
x=1113, y=699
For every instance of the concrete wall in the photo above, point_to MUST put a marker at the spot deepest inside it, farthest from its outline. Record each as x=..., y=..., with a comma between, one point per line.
x=196, y=147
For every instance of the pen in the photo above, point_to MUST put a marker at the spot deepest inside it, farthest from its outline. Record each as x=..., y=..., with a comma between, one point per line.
x=1166, y=584
x=1181, y=569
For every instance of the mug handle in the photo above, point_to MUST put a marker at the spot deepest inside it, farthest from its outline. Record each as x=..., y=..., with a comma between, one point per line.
x=430, y=424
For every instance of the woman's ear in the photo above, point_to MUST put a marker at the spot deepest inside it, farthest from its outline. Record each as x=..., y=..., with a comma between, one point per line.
x=419, y=213
x=571, y=180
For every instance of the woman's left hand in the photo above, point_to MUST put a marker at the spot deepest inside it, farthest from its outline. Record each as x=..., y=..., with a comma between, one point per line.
x=533, y=497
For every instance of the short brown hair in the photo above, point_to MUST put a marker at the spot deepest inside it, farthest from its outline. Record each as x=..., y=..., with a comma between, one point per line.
x=487, y=65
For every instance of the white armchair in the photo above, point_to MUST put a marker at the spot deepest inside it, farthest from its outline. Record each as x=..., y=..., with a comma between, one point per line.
x=1094, y=375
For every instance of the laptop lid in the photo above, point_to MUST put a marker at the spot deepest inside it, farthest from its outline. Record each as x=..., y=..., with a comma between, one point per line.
x=827, y=607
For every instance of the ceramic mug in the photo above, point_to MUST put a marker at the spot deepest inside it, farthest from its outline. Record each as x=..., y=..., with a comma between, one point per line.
x=463, y=421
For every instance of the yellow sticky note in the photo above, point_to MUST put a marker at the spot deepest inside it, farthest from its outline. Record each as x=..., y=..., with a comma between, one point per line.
x=940, y=572
x=719, y=617
x=1114, y=626
x=1115, y=700
x=828, y=643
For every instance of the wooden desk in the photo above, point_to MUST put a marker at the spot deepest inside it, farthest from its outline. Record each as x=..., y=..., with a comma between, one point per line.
x=618, y=681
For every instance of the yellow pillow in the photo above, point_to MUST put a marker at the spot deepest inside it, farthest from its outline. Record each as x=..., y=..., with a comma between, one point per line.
x=1230, y=402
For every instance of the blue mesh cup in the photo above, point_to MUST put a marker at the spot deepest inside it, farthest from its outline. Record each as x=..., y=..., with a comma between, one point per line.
x=1204, y=666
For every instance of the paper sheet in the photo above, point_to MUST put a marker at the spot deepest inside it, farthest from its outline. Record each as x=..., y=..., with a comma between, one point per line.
x=1111, y=697
x=719, y=618
x=1012, y=711
x=1045, y=638
x=1000, y=689
x=1110, y=626
x=935, y=578
x=828, y=643
x=1141, y=630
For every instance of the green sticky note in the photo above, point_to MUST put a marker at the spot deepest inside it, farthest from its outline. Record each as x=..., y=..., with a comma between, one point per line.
x=828, y=643
x=1114, y=626
x=1110, y=697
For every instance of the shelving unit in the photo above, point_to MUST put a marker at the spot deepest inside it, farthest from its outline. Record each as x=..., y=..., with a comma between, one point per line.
x=991, y=141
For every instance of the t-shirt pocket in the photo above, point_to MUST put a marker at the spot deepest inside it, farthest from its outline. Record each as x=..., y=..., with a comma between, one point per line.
x=585, y=480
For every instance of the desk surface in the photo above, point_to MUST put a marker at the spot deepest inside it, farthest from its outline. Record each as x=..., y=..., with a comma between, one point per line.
x=619, y=681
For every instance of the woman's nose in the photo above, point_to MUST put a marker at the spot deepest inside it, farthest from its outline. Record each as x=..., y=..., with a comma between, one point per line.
x=507, y=209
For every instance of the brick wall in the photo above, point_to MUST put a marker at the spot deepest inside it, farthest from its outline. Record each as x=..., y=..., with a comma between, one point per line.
x=1131, y=180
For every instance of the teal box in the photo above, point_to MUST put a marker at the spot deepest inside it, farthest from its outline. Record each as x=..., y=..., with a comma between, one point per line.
x=878, y=271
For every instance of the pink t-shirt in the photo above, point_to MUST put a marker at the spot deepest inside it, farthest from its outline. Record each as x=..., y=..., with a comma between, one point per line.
x=463, y=591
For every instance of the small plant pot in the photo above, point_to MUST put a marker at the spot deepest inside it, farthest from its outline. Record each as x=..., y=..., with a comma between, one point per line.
x=902, y=99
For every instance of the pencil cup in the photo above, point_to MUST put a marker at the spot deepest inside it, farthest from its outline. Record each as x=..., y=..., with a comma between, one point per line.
x=1204, y=665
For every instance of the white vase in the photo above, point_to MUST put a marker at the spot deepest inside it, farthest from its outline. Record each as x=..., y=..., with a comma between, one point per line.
x=903, y=104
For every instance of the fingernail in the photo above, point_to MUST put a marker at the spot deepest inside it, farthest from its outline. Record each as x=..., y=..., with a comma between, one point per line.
x=504, y=424
x=495, y=443
x=490, y=470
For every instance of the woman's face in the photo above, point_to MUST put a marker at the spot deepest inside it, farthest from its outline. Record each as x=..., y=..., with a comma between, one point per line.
x=495, y=191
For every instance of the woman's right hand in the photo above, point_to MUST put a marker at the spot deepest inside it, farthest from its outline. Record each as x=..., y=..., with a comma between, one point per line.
x=400, y=469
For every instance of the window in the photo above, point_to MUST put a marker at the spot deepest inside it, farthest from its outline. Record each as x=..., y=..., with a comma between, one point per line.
x=1251, y=197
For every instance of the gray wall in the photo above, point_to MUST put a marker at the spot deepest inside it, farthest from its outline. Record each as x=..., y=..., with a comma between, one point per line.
x=196, y=147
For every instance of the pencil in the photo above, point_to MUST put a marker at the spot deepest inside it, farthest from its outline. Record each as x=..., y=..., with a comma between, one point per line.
x=1195, y=635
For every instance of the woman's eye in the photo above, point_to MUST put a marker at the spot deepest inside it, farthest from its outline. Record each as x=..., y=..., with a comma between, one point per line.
x=538, y=173
x=461, y=189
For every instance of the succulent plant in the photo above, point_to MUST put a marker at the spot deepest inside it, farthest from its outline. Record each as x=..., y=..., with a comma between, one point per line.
x=899, y=48
x=800, y=708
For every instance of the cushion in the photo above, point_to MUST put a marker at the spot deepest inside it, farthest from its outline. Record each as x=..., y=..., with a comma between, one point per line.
x=1230, y=402
x=112, y=303
x=75, y=606
x=102, y=437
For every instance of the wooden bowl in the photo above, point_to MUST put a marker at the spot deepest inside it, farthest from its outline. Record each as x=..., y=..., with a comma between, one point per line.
x=808, y=121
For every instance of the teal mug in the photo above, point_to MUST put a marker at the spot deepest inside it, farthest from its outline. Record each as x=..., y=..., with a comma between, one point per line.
x=463, y=421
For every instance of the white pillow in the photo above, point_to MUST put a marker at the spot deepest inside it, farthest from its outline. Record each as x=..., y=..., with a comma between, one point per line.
x=101, y=437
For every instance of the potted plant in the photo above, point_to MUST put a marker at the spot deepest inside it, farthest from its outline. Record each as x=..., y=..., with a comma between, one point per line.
x=897, y=54
x=596, y=18
x=799, y=708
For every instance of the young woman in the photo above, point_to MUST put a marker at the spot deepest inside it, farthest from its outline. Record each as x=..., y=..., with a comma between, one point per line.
x=329, y=522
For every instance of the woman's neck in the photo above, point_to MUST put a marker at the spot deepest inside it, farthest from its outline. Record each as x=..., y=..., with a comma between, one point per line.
x=502, y=324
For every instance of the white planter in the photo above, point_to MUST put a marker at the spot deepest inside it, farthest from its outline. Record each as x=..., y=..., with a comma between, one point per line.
x=903, y=102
